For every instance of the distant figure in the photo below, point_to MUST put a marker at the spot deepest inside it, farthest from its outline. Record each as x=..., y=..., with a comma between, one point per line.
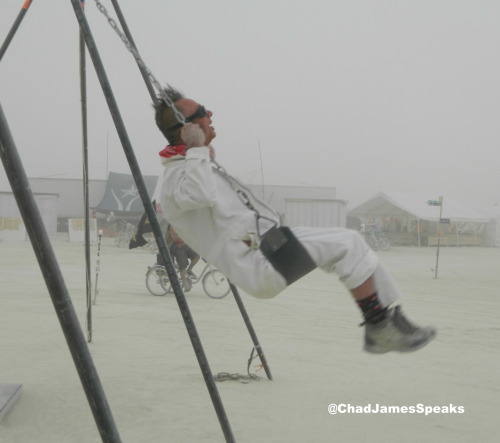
x=182, y=252
x=242, y=236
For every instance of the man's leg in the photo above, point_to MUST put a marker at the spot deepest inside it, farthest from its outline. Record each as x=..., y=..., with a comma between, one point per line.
x=186, y=282
x=346, y=253
x=182, y=262
x=368, y=301
x=195, y=258
x=365, y=290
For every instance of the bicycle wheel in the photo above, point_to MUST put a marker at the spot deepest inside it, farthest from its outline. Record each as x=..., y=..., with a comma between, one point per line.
x=157, y=280
x=383, y=244
x=215, y=284
x=372, y=243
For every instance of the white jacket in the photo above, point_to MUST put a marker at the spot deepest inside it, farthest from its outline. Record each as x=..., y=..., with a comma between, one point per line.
x=209, y=215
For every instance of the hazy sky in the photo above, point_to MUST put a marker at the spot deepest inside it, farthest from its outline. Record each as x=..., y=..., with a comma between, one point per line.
x=361, y=95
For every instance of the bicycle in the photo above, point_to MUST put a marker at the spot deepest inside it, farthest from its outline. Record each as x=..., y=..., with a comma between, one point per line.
x=215, y=284
x=377, y=241
x=126, y=232
x=393, y=238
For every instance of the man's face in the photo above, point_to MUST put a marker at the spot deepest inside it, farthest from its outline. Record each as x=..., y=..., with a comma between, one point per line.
x=189, y=108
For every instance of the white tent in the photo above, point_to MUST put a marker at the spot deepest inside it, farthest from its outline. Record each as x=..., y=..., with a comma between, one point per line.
x=491, y=235
x=462, y=224
x=11, y=225
x=416, y=206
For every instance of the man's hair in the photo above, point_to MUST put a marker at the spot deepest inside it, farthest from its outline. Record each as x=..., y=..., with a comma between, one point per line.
x=165, y=116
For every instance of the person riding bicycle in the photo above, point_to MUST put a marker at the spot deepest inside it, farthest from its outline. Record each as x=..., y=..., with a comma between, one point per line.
x=182, y=252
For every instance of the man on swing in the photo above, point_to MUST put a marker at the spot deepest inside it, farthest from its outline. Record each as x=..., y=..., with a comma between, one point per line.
x=222, y=221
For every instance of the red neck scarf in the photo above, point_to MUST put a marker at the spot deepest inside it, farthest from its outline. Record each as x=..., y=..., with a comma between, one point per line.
x=171, y=151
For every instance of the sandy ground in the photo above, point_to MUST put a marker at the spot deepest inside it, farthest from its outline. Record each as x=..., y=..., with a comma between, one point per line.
x=309, y=333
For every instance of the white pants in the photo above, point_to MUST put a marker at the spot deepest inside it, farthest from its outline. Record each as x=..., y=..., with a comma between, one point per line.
x=346, y=253
x=338, y=250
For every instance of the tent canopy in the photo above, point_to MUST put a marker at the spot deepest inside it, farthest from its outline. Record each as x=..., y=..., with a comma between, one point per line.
x=491, y=235
x=122, y=196
x=395, y=204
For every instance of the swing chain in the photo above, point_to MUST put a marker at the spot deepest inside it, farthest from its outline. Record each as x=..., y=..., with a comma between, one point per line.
x=140, y=62
x=243, y=194
x=241, y=190
x=238, y=187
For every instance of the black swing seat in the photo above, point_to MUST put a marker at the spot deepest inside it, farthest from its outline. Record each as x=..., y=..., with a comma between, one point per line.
x=287, y=255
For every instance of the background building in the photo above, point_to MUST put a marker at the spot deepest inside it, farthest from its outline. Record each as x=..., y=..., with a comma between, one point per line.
x=116, y=202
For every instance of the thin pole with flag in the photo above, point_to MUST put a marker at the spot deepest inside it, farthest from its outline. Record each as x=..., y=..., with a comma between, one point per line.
x=440, y=204
x=439, y=235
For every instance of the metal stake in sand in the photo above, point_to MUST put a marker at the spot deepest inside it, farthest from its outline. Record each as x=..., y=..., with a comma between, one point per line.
x=440, y=204
x=14, y=28
x=97, y=265
x=439, y=234
x=253, y=335
x=56, y=286
x=155, y=225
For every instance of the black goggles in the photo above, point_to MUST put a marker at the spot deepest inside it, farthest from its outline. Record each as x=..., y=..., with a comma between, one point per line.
x=200, y=112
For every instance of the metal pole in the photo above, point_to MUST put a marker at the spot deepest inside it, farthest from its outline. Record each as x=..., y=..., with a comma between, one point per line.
x=439, y=235
x=418, y=233
x=251, y=330
x=262, y=173
x=97, y=265
x=56, y=286
x=14, y=28
x=85, y=162
x=160, y=240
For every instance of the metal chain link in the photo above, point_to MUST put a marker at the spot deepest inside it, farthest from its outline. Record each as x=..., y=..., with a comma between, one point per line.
x=140, y=62
x=243, y=194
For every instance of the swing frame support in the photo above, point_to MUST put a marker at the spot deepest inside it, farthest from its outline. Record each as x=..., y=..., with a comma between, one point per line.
x=55, y=284
x=47, y=260
x=154, y=98
x=162, y=246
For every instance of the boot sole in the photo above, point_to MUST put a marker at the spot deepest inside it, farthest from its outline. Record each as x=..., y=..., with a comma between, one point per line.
x=380, y=350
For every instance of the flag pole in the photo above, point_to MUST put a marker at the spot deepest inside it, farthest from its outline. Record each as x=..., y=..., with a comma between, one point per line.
x=439, y=235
